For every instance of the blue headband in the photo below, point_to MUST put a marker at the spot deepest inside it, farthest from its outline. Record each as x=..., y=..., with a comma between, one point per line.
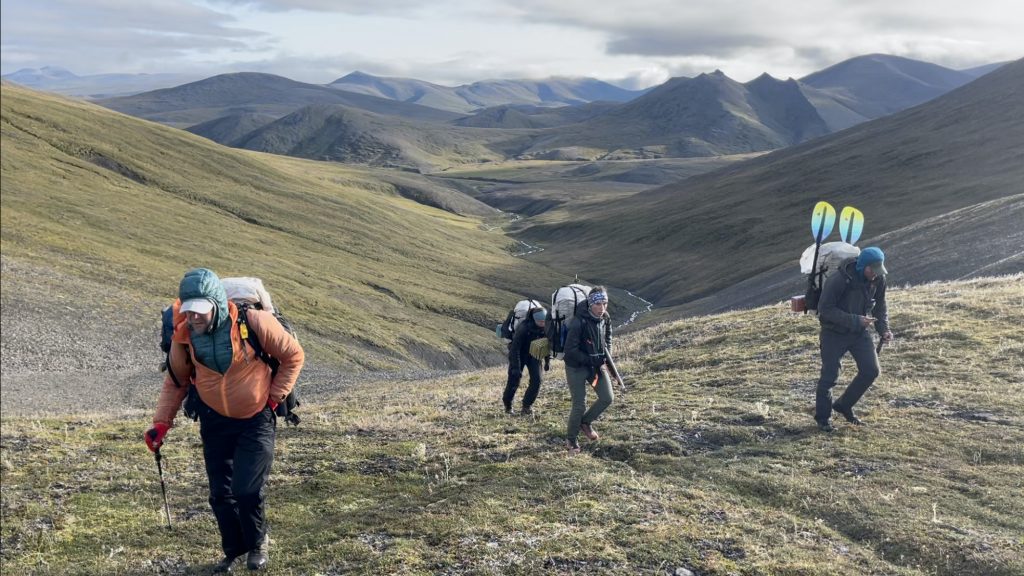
x=597, y=298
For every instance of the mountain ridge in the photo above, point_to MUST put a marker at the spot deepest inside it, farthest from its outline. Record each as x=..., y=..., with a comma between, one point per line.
x=958, y=150
x=465, y=98
x=876, y=85
x=707, y=115
x=253, y=92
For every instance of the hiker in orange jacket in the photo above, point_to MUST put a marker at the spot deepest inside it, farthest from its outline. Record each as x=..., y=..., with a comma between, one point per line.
x=235, y=395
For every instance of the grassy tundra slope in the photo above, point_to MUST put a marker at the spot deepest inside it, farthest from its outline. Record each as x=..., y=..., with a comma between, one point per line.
x=102, y=213
x=709, y=462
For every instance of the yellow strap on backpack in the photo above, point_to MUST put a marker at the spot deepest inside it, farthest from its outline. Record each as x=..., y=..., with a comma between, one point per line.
x=540, y=348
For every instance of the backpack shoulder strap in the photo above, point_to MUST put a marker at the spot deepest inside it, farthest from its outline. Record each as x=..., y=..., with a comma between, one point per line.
x=250, y=337
x=167, y=366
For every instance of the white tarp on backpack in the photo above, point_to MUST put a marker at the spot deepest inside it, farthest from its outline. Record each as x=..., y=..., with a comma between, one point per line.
x=565, y=299
x=563, y=309
x=249, y=290
x=520, y=311
x=507, y=329
x=830, y=256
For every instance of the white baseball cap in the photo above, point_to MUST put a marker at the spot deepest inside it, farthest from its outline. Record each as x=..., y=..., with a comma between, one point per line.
x=197, y=305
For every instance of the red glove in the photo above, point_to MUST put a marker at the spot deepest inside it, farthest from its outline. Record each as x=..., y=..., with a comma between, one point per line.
x=155, y=436
x=272, y=404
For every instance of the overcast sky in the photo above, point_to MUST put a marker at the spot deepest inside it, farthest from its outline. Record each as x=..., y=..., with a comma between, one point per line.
x=635, y=43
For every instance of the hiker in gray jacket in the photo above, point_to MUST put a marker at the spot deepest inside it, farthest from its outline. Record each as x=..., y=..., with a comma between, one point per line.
x=587, y=344
x=852, y=300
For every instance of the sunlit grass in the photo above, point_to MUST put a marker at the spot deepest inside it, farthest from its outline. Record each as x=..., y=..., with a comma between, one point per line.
x=709, y=462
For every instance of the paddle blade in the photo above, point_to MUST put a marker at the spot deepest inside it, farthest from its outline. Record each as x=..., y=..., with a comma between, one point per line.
x=823, y=218
x=851, y=224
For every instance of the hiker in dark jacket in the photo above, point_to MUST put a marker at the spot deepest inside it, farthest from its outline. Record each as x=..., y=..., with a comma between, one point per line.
x=237, y=396
x=530, y=329
x=587, y=344
x=852, y=300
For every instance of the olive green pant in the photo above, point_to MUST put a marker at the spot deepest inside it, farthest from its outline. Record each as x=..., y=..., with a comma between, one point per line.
x=579, y=382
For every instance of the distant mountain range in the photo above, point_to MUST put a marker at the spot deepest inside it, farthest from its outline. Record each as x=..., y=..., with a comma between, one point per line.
x=94, y=86
x=471, y=97
x=562, y=119
x=254, y=93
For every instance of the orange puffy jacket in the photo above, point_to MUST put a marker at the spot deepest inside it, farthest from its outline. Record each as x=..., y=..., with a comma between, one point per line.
x=245, y=388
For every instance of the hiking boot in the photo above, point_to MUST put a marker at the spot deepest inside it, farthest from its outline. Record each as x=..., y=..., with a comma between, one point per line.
x=589, y=431
x=527, y=411
x=257, y=559
x=848, y=414
x=508, y=408
x=826, y=426
x=573, y=446
x=225, y=564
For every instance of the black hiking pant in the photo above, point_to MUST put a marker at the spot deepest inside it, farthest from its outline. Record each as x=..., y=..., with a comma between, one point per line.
x=238, y=455
x=531, y=364
x=833, y=347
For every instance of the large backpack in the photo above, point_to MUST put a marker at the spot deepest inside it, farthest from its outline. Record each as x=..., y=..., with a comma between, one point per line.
x=247, y=294
x=507, y=329
x=564, y=304
x=831, y=257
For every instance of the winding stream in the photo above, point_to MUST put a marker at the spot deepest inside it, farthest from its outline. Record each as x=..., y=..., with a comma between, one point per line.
x=644, y=307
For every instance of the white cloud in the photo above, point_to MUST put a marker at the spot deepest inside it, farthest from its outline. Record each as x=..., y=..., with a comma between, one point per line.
x=112, y=36
x=357, y=7
x=459, y=41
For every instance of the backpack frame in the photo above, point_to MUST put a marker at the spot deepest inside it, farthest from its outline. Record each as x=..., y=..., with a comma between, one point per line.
x=558, y=327
x=507, y=329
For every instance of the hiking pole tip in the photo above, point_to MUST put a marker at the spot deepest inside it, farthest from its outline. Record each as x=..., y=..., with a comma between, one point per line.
x=163, y=487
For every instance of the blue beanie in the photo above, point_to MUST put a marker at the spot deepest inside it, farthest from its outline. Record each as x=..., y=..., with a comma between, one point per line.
x=540, y=314
x=870, y=256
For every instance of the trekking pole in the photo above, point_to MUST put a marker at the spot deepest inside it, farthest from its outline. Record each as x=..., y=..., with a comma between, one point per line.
x=163, y=487
x=615, y=371
x=878, y=349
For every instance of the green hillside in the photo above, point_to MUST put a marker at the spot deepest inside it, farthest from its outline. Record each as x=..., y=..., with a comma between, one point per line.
x=102, y=213
x=709, y=464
